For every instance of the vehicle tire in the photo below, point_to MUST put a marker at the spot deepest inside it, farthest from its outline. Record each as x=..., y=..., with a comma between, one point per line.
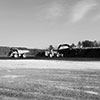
x=16, y=56
x=58, y=55
x=51, y=55
x=23, y=56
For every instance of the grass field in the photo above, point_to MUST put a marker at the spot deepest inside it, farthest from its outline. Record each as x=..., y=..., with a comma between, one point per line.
x=48, y=83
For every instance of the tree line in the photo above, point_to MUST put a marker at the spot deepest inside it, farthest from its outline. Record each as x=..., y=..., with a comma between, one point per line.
x=82, y=44
x=88, y=43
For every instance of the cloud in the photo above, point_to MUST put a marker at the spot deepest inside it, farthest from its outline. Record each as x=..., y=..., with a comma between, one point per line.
x=54, y=11
x=80, y=10
x=97, y=17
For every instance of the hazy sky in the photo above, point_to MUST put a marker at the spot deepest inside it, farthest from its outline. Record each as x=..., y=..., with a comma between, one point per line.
x=39, y=23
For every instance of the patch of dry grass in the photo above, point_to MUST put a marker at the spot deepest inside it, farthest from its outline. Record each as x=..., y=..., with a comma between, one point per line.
x=50, y=84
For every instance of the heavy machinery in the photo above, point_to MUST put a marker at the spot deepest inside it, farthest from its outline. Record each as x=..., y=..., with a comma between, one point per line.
x=85, y=52
x=58, y=52
x=18, y=53
x=51, y=53
x=63, y=49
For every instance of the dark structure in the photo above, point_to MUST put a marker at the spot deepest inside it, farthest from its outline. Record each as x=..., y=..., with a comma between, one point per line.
x=87, y=52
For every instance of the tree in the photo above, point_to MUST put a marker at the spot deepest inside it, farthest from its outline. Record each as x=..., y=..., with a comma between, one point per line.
x=79, y=44
x=87, y=43
x=73, y=45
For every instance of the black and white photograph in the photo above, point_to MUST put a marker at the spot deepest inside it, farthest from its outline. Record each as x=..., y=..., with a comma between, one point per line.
x=49, y=49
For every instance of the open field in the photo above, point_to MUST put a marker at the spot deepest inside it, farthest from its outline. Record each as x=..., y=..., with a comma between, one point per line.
x=49, y=80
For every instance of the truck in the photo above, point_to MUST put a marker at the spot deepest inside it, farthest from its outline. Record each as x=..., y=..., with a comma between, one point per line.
x=18, y=53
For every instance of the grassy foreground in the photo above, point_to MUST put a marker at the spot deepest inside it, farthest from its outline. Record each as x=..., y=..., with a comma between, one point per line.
x=49, y=84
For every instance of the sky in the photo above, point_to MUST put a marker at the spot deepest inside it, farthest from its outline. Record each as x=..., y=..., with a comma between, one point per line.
x=40, y=23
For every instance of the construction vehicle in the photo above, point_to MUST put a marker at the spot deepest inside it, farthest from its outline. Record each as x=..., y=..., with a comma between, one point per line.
x=18, y=53
x=85, y=52
x=62, y=49
x=51, y=52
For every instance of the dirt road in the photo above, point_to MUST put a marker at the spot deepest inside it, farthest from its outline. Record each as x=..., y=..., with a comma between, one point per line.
x=53, y=64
